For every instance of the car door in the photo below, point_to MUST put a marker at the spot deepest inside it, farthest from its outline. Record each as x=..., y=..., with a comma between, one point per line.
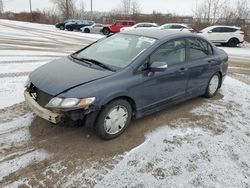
x=201, y=62
x=160, y=87
x=97, y=28
x=215, y=35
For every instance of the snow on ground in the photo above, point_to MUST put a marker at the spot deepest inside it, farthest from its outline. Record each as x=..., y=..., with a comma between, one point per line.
x=17, y=68
x=11, y=90
x=190, y=156
x=242, y=52
x=15, y=134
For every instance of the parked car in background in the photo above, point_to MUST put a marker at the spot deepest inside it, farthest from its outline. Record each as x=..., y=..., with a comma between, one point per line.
x=143, y=25
x=127, y=75
x=70, y=26
x=95, y=28
x=116, y=26
x=227, y=35
x=176, y=27
x=61, y=26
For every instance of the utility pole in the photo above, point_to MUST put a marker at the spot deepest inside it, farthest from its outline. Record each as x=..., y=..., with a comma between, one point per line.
x=1, y=7
x=67, y=9
x=31, y=14
x=91, y=9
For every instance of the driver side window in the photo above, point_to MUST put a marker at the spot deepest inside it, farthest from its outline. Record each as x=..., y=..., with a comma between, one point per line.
x=173, y=52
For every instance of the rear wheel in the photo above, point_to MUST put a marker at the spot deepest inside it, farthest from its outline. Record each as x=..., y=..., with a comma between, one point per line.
x=106, y=31
x=233, y=42
x=213, y=85
x=114, y=119
x=86, y=30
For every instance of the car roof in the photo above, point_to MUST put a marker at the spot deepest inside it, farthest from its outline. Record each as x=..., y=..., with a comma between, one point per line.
x=175, y=24
x=214, y=26
x=157, y=33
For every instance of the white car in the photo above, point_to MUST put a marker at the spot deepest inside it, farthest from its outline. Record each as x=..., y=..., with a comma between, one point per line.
x=95, y=28
x=177, y=27
x=143, y=25
x=229, y=35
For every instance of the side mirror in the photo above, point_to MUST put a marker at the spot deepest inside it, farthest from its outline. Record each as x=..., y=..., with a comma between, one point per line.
x=209, y=32
x=158, y=66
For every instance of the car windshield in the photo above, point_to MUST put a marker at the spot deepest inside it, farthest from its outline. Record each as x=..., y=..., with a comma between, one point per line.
x=118, y=50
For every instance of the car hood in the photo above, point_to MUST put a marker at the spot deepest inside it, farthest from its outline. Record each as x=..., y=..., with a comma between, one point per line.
x=64, y=74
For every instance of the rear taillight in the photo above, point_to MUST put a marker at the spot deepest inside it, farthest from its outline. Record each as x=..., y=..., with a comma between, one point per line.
x=242, y=33
x=191, y=30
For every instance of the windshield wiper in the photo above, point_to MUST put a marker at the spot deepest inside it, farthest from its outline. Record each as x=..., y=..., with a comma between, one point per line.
x=98, y=64
x=80, y=59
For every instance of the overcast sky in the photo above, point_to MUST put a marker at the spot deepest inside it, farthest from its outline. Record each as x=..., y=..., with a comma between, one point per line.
x=182, y=7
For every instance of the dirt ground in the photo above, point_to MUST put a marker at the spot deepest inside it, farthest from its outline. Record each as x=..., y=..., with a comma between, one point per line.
x=72, y=150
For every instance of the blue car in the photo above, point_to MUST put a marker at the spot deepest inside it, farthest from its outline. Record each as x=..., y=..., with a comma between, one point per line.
x=78, y=24
x=61, y=26
x=125, y=76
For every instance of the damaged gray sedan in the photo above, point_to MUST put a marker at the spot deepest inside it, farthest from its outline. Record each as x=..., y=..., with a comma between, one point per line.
x=127, y=75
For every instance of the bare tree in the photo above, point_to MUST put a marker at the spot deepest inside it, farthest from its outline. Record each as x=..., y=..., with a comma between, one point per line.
x=129, y=7
x=66, y=8
x=208, y=11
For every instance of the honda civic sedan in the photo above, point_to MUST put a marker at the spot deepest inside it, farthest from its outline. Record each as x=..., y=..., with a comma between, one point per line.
x=126, y=76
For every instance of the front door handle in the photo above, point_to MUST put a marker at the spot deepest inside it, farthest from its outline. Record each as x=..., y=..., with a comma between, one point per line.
x=182, y=70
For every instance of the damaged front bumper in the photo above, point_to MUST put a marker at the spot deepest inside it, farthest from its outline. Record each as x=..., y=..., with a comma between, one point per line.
x=42, y=112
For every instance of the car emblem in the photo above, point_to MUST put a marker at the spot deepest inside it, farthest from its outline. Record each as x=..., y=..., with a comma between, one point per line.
x=33, y=95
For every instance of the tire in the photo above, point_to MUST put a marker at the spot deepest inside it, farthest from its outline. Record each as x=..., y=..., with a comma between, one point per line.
x=213, y=85
x=86, y=30
x=109, y=124
x=70, y=29
x=61, y=27
x=233, y=42
x=106, y=31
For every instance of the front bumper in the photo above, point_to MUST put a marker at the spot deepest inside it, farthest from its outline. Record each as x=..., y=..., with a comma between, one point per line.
x=42, y=112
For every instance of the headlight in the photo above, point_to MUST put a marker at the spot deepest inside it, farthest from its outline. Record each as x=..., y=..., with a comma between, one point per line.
x=69, y=102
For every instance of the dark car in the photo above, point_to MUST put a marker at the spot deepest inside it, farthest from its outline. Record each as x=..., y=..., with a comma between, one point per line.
x=78, y=25
x=61, y=26
x=127, y=75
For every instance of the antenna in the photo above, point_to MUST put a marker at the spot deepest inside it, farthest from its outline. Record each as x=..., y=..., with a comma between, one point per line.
x=1, y=6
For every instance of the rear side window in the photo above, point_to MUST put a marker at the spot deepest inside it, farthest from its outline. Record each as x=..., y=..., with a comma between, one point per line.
x=172, y=53
x=177, y=27
x=228, y=30
x=118, y=23
x=199, y=48
x=124, y=23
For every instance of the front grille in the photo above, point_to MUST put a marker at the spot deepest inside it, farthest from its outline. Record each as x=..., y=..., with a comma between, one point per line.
x=39, y=96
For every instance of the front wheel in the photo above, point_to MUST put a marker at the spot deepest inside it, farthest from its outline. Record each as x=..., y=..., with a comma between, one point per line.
x=114, y=119
x=86, y=30
x=106, y=31
x=213, y=85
